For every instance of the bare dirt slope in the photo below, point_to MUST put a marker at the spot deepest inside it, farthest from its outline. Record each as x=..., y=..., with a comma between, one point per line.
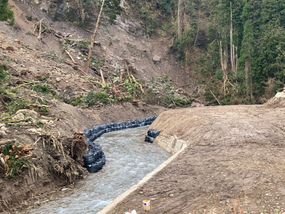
x=28, y=59
x=233, y=153
x=119, y=44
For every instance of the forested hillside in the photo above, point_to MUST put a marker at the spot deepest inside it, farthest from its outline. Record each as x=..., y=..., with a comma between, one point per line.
x=233, y=49
x=239, y=44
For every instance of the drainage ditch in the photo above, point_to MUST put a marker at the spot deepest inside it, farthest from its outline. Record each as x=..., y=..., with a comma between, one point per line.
x=128, y=159
x=94, y=159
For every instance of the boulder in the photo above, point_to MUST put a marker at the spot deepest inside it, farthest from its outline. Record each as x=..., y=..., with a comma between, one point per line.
x=156, y=59
x=195, y=104
x=27, y=113
x=19, y=116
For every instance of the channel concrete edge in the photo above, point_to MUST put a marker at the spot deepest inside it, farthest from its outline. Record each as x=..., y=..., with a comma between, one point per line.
x=110, y=206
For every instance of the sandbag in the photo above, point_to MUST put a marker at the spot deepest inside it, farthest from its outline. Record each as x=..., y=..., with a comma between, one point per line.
x=94, y=159
x=153, y=133
x=108, y=130
x=124, y=124
x=119, y=126
x=93, y=154
x=149, y=139
x=87, y=132
x=90, y=157
x=114, y=125
x=96, y=129
x=95, y=167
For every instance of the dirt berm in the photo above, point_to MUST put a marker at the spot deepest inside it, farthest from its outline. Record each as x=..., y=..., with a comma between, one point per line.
x=234, y=162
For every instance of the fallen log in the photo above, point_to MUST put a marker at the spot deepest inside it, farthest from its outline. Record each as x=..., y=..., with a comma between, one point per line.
x=75, y=67
x=4, y=142
x=70, y=57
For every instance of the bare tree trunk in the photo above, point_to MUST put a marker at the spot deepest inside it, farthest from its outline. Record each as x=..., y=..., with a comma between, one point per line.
x=223, y=65
x=179, y=24
x=250, y=83
x=221, y=56
x=236, y=59
x=93, y=38
x=80, y=11
x=197, y=28
x=226, y=58
x=248, y=79
x=246, y=71
x=102, y=78
x=225, y=76
x=231, y=40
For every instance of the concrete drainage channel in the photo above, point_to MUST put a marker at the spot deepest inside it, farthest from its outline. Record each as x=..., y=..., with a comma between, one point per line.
x=170, y=144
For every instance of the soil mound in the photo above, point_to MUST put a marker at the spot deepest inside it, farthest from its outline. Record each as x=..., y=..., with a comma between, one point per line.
x=277, y=101
x=234, y=160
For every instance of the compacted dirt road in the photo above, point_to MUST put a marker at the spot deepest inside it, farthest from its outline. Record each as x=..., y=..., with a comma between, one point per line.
x=234, y=162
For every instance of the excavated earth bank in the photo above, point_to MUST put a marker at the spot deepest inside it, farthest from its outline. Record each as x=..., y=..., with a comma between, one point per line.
x=234, y=162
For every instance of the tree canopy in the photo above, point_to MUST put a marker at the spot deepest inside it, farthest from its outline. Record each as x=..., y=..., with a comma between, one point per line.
x=6, y=14
x=244, y=43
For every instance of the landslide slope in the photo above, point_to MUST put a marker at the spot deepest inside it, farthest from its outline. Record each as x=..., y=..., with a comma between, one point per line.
x=234, y=160
x=42, y=87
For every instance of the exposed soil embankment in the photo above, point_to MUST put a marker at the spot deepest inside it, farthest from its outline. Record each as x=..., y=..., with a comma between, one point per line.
x=52, y=170
x=233, y=153
x=42, y=86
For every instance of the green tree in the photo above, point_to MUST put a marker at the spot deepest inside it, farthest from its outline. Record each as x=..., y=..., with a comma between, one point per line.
x=281, y=11
x=270, y=37
x=248, y=47
x=6, y=14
